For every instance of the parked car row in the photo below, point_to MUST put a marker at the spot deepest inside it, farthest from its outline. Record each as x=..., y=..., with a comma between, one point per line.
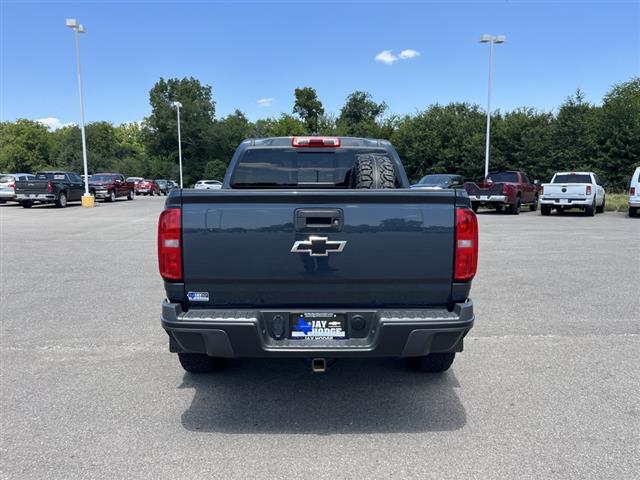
x=61, y=187
x=510, y=190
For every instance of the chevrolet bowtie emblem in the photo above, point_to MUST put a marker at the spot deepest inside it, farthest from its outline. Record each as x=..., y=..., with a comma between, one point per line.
x=318, y=246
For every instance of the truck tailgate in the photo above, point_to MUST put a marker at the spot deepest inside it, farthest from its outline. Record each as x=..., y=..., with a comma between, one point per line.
x=29, y=187
x=398, y=247
x=568, y=190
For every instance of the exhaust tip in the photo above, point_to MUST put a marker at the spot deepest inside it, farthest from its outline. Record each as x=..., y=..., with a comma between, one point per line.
x=319, y=365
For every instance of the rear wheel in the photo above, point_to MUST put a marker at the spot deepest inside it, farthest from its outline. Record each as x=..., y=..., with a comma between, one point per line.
x=200, y=363
x=590, y=211
x=514, y=208
x=61, y=202
x=633, y=212
x=130, y=195
x=433, y=363
x=545, y=209
x=600, y=209
x=374, y=171
x=534, y=206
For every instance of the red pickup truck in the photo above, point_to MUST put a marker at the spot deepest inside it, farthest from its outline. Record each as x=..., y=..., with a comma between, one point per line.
x=507, y=190
x=110, y=186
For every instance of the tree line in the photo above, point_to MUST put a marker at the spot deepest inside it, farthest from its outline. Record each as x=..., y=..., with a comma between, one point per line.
x=448, y=138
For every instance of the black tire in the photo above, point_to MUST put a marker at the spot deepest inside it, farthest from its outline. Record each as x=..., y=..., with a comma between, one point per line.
x=26, y=204
x=600, y=209
x=433, y=363
x=61, y=201
x=545, y=209
x=200, y=363
x=130, y=195
x=374, y=171
x=534, y=206
x=633, y=212
x=590, y=211
x=474, y=207
x=112, y=196
x=514, y=208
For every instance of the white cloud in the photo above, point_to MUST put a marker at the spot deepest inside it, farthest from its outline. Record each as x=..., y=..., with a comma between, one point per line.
x=53, y=123
x=389, y=58
x=386, y=57
x=409, y=53
x=265, y=102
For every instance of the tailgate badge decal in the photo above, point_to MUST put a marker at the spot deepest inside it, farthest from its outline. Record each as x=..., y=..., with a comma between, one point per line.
x=198, y=296
x=318, y=246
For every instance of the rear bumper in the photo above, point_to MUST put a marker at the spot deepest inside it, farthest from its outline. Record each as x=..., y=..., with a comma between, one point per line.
x=7, y=195
x=489, y=198
x=634, y=202
x=566, y=202
x=247, y=333
x=41, y=197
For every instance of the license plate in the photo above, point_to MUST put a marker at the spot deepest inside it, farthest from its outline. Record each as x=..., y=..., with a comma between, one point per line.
x=32, y=195
x=564, y=200
x=317, y=325
x=483, y=197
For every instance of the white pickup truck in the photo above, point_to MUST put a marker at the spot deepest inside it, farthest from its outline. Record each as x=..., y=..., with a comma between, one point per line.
x=569, y=190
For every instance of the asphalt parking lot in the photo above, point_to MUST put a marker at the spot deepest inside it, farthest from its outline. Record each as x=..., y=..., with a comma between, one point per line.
x=547, y=386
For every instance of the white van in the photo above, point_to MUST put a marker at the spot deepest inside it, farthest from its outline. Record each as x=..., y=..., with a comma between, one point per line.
x=634, y=194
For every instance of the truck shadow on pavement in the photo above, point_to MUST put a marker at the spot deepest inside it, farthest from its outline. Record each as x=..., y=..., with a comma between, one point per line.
x=354, y=396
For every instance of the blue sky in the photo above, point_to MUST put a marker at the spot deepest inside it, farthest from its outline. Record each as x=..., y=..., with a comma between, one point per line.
x=262, y=50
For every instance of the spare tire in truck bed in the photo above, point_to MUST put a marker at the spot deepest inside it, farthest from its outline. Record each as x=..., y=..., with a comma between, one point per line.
x=374, y=170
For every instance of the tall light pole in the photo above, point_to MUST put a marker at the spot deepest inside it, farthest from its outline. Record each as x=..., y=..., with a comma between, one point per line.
x=177, y=106
x=73, y=24
x=491, y=40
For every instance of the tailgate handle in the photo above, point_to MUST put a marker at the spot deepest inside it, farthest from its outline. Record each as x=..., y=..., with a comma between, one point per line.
x=313, y=219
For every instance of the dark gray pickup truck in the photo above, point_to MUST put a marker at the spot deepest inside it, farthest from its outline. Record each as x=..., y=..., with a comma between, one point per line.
x=317, y=248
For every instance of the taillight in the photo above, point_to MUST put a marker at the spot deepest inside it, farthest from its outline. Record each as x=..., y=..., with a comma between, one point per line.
x=466, y=260
x=315, y=142
x=13, y=185
x=588, y=189
x=505, y=189
x=542, y=190
x=632, y=191
x=169, y=244
x=50, y=187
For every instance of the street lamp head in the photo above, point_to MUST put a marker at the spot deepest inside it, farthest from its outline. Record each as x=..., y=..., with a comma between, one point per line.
x=500, y=39
x=80, y=29
x=176, y=104
x=72, y=23
x=486, y=38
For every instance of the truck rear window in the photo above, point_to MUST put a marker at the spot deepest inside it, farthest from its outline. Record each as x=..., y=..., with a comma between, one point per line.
x=49, y=176
x=572, y=178
x=282, y=168
x=503, y=177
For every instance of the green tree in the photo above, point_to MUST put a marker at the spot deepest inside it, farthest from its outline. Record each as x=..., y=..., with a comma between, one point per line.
x=25, y=146
x=359, y=115
x=215, y=170
x=619, y=133
x=197, y=119
x=442, y=139
x=573, y=142
x=308, y=108
x=284, y=126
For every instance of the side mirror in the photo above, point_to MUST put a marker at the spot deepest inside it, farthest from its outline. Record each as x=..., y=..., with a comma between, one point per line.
x=536, y=182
